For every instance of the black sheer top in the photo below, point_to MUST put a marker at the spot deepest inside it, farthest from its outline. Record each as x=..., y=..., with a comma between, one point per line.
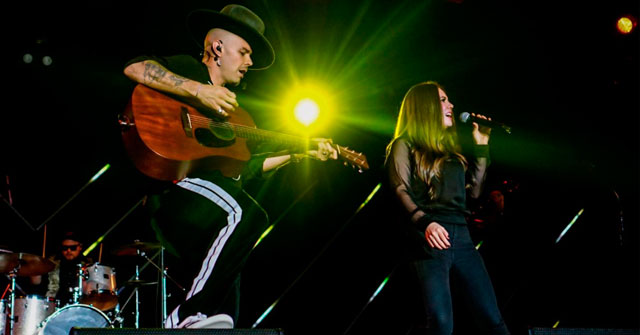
x=449, y=204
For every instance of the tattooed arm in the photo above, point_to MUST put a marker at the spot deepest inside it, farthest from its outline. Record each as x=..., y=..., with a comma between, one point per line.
x=154, y=75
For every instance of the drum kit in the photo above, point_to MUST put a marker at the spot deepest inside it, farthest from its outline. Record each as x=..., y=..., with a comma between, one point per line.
x=95, y=302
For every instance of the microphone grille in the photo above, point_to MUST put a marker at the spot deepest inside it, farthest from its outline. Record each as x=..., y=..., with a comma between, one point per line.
x=464, y=117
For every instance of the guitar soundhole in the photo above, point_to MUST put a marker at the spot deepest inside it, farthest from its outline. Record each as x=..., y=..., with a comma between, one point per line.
x=208, y=139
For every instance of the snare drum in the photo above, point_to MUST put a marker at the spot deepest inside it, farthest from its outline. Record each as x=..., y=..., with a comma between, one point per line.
x=3, y=316
x=99, y=289
x=61, y=322
x=29, y=312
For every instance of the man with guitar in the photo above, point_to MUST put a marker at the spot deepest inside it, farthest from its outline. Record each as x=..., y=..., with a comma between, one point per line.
x=205, y=218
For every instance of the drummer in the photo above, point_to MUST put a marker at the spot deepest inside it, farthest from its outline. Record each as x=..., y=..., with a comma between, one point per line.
x=64, y=278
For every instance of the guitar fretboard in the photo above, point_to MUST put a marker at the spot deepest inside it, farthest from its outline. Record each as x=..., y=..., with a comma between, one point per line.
x=250, y=133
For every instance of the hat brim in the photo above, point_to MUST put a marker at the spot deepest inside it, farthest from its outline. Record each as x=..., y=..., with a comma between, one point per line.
x=199, y=22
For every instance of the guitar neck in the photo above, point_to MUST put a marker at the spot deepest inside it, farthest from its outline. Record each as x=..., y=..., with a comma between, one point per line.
x=296, y=143
x=261, y=135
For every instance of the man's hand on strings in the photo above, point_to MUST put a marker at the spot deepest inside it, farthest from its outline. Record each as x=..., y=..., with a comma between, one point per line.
x=219, y=98
x=324, y=149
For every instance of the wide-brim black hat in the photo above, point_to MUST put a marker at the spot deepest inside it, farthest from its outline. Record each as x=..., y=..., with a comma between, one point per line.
x=239, y=20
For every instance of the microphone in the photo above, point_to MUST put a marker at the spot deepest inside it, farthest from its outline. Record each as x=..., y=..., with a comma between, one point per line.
x=466, y=117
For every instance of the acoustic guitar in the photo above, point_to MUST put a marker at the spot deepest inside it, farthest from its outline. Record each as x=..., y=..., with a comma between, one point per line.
x=167, y=139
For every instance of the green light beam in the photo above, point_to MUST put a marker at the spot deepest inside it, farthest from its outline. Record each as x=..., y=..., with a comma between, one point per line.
x=101, y=238
x=284, y=214
x=356, y=20
x=381, y=39
x=382, y=285
x=366, y=201
x=96, y=176
x=575, y=218
x=264, y=315
x=373, y=296
x=266, y=232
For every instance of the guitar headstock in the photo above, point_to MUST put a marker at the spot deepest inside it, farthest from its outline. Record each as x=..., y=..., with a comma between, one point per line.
x=353, y=158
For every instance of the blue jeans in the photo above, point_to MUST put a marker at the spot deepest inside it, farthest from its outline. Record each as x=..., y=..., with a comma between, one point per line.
x=462, y=262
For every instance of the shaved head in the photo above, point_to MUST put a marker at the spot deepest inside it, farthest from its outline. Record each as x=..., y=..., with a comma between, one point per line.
x=218, y=34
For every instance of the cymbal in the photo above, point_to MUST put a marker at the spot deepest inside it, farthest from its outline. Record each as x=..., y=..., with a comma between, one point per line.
x=27, y=264
x=5, y=249
x=132, y=249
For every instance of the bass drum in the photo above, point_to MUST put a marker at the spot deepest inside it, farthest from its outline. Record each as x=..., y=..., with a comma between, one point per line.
x=85, y=316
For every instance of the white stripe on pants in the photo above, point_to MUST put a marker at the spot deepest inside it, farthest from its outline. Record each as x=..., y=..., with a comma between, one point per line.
x=225, y=201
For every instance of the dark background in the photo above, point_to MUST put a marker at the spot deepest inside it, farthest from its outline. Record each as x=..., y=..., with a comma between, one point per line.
x=558, y=72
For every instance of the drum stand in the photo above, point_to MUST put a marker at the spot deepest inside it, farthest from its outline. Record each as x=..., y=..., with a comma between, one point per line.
x=163, y=282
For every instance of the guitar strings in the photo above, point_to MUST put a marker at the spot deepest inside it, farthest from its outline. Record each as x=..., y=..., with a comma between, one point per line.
x=217, y=124
x=208, y=122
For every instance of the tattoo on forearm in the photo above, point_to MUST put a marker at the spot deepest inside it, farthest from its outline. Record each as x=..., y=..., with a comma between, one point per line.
x=153, y=72
x=177, y=80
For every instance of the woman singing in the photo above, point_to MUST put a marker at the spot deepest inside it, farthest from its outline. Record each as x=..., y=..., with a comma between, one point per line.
x=431, y=178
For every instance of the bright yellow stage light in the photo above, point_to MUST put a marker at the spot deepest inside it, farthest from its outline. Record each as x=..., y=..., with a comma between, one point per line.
x=306, y=111
x=309, y=104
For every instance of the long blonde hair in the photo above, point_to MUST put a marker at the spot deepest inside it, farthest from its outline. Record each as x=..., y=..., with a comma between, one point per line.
x=420, y=123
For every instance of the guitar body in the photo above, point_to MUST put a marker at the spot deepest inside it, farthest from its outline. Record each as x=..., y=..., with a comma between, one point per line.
x=168, y=139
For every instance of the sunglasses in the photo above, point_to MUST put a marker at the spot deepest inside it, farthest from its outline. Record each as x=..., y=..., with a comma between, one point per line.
x=70, y=247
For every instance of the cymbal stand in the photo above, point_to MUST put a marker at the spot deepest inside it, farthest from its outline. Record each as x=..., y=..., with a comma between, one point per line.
x=117, y=317
x=77, y=291
x=134, y=293
x=137, y=292
x=12, y=318
x=12, y=294
x=164, y=277
x=8, y=288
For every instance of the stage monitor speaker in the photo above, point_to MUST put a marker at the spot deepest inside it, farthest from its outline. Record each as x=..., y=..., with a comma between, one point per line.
x=582, y=331
x=160, y=331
